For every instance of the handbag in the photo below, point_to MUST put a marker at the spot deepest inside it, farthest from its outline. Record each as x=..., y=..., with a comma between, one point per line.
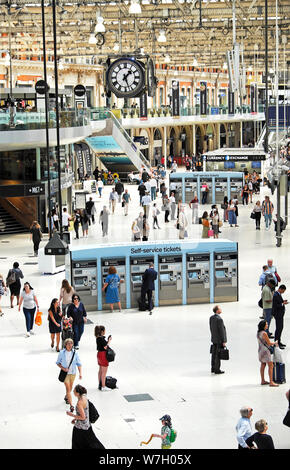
x=38, y=319
x=210, y=233
x=63, y=374
x=220, y=223
x=277, y=277
x=123, y=203
x=110, y=354
x=224, y=206
x=253, y=215
x=260, y=303
x=224, y=354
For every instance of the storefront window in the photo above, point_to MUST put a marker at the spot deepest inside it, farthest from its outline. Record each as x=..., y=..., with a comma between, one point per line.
x=18, y=165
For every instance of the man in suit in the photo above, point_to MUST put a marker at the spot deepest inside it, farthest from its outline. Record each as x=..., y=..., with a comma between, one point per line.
x=278, y=311
x=218, y=338
x=148, y=286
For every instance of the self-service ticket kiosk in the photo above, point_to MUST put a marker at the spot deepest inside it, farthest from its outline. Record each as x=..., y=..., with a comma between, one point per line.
x=120, y=265
x=190, y=188
x=221, y=189
x=197, y=277
x=236, y=186
x=208, y=182
x=225, y=277
x=178, y=190
x=170, y=280
x=84, y=281
x=138, y=266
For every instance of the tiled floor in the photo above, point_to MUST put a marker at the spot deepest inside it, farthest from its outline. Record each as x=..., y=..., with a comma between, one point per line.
x=165, y=355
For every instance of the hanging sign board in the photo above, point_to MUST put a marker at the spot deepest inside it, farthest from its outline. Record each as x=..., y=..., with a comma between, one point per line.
x=175, y=98
x=203, y=98
x=41, y=87
x=79, y=90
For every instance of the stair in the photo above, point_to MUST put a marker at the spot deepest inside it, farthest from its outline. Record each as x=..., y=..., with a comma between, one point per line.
x=8, y=225
x=115, y=129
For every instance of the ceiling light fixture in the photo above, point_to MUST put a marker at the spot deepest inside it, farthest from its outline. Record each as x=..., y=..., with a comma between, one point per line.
x=116, y=47
x=100, y=27
x=92, y=39
x=167, y=59
x=135, y=8
x=161, y=37
x=194, y=63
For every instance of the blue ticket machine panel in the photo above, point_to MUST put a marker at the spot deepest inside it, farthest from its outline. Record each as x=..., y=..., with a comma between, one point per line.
x=120, y=265
x=190, y=188
x=170, y=280
x=197, y=277
x=221, y=189
x=84, y=281
x=226, y=277
x=138, y=266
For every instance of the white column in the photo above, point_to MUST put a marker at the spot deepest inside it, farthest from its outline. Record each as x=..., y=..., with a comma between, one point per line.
x=193, y=140
x=165, y=147
x=241, y=134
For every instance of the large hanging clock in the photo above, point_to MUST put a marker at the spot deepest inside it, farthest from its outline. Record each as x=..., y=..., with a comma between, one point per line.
x=126, y=77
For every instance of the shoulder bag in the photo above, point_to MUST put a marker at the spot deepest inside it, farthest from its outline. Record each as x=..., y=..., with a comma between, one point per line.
x=11, y=278
x=110, y=354
x=63, y=374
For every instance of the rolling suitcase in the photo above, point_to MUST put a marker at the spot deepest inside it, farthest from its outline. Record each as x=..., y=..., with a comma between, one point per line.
x=143, y=306
x=279, y=373
x=111, y=382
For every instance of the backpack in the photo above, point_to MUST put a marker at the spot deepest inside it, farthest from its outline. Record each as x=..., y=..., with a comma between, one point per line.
x=93, y=413
x=11, y=278
x=173, y=435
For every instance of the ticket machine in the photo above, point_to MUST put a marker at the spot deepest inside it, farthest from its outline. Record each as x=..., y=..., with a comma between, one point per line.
x=190, y=188
x=138, y=266
x=170, y=280
x=236, y=186
x=120, y=265
x=178, y=190
x=84, y=281
x=221, y=189
x=225, y=277
x=197, y=278
x=208, y=181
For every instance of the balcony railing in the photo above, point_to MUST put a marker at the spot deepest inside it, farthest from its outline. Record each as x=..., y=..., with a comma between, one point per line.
x=36, y=120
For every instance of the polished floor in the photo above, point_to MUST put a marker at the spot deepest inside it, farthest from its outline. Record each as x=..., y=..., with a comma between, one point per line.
x=165, y=355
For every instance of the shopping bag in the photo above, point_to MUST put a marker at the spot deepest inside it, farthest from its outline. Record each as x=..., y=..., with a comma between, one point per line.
x=38, y=319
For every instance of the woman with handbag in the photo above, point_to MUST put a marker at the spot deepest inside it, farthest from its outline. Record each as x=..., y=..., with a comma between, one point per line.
x=232, y=213
x=54, y=322
x=13, y=282
x=205, y=225
x=68, y=360
x=30, y=302
x=65, y=295
x=264, y=352
x=102, y=345
x=258, y=213
x=83, y=436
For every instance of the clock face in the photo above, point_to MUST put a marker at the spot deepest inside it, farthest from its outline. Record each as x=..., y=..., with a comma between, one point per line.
x=125, y=78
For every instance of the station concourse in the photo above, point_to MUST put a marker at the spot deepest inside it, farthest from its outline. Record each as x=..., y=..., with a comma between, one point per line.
x=162, y=359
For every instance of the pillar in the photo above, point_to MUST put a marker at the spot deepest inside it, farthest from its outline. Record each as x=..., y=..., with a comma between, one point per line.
x=193, y=140
x=165, y=147
x=37, y=161
x=241, y=134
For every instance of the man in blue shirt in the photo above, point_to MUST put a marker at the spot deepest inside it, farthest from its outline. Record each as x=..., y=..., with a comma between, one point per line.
x=262, y=278
x=243, y=427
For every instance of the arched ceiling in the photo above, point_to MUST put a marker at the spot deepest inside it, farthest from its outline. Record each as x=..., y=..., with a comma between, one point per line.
x=201, y=30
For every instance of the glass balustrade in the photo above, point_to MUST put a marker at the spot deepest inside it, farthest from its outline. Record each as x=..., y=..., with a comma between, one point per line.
x=83, y=117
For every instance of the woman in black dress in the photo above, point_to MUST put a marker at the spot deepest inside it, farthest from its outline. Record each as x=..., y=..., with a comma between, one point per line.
x=15, y=286
x=35, y=236
x=54, y=318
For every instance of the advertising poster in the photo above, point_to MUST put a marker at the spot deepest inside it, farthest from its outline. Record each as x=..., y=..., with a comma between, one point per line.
x=203, y=98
